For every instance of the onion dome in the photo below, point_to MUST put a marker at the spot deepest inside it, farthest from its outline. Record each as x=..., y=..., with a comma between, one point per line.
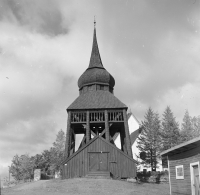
x=96, y=73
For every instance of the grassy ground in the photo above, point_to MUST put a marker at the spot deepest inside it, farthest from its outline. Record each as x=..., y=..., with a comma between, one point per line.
x=87, y=187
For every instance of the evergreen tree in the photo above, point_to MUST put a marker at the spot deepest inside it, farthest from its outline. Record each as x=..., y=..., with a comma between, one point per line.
x=195, y=126
x=186, y=128
x=170, y=132
x=149, y=140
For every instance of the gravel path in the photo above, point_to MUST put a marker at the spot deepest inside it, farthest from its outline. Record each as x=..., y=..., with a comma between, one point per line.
x=87, y=186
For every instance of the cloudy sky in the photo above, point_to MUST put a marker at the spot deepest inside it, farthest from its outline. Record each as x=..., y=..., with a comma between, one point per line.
x=151, y=47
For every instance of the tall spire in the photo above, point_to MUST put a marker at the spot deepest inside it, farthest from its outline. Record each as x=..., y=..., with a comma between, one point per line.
x=95, y=74
x=94, y=22
x=95, y=59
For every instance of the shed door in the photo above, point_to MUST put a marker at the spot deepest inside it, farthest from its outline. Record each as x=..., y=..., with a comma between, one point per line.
x=196, y=179
x=94, y=162
x=98, y=162
x=103, y=160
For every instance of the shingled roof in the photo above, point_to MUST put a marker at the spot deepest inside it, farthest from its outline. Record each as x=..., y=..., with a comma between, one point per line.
x=96, y=85
x=96, y=100
x=95, y=73
x=95, y=59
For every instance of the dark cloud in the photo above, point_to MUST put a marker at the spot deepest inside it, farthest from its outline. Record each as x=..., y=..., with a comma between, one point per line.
x=41, y=16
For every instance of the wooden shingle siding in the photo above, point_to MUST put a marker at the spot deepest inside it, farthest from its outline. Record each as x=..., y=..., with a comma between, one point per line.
x=182, y=186
x=96, y=100
x=120, y=165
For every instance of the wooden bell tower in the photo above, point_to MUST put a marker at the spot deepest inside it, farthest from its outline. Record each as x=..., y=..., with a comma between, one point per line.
x=101, y=117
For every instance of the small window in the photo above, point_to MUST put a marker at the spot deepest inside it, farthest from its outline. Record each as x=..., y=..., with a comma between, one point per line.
x=179, y=172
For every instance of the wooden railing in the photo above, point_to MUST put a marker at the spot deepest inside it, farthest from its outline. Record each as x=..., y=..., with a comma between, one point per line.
x=114, y=116
x=97, y=116
x=78, y=117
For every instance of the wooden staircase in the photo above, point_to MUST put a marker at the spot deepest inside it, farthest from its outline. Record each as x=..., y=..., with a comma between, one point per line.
x=99, y=175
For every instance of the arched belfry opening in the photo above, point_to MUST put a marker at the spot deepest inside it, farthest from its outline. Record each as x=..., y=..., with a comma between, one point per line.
x=100, y=117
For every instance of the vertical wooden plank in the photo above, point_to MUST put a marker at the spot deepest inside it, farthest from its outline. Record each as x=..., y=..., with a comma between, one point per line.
x=120, y=165
x=126, y=165
x=86, y=160
x=117, y=169
x=107, y=126
x=85, y=163
x=88, y=133
x=69, y=168
x=77, y=166
x=63, y=172
x=68, y=173
x=83, y=169
x=98, y=149
x=80, y=163
x=95, y=145
x=110, y=158
x=115, y=164
x=123, y=166
x=73, y=168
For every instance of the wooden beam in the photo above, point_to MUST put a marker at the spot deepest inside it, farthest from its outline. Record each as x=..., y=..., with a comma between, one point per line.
x=107, y=126
x=94, y=134
x=115, y=136
x=88, y=133
x=103, y=132
x=127, y=134
x=68, y=133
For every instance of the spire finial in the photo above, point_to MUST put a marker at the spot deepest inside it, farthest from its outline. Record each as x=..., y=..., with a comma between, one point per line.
x=94, y=22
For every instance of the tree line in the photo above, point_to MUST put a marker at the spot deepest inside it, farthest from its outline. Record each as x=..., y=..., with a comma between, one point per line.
x=22, y=167
x=159, y=134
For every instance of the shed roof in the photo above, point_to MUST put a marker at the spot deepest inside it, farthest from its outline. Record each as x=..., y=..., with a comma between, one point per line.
x=182, y=147
x=96, y=100
x=91, y=141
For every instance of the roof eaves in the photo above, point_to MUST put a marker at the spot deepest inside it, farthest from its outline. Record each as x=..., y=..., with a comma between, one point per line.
x=92, y=140
x=164, y=153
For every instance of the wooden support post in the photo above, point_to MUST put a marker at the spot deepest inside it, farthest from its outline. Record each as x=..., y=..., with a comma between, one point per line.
x=88, y=133
x=122, y=137
x=127, y=134
x=107, y=126
x=68, y=134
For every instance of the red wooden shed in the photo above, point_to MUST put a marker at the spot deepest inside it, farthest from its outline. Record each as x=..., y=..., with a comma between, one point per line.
x=183, y=165
x=99, y=116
